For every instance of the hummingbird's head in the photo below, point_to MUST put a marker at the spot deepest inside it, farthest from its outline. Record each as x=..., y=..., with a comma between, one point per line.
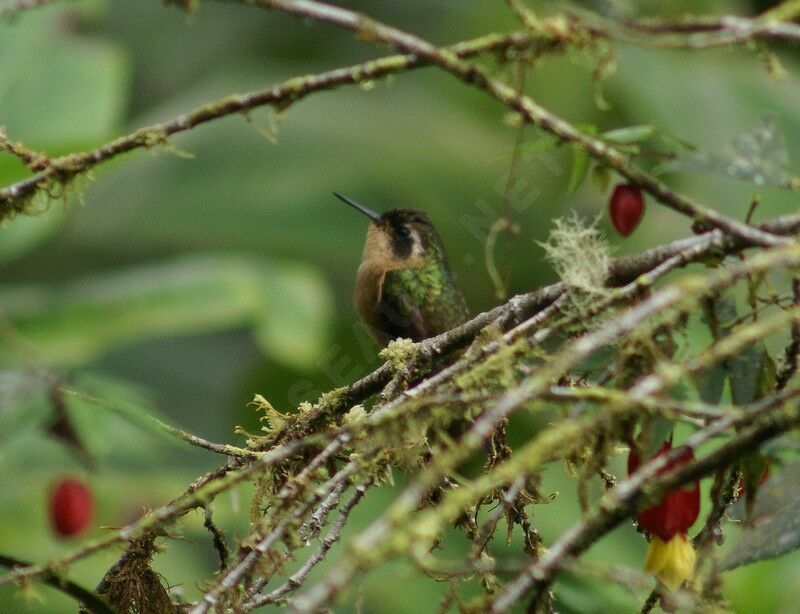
x=398, y=238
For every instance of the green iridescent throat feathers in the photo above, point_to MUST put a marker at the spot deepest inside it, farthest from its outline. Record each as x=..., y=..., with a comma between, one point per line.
x=405, y=287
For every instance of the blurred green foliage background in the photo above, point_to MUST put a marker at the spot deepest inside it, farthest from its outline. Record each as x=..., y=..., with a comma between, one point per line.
x=185, y=284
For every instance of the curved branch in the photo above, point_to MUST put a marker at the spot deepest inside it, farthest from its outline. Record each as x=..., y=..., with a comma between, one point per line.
x=473, y=75
x=14, y=198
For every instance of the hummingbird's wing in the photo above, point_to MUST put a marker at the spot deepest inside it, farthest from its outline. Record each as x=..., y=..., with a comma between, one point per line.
x=399, y=315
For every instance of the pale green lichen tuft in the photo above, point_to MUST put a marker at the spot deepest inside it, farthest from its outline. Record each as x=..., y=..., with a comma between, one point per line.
x=581, y=257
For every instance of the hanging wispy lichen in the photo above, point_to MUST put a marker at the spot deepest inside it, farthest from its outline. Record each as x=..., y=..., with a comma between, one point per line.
x=581, y=257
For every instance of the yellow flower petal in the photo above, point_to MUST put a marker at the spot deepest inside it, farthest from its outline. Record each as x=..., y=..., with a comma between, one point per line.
x=671, y=562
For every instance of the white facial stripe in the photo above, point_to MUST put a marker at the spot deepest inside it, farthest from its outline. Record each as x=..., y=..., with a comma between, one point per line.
x=417, y=249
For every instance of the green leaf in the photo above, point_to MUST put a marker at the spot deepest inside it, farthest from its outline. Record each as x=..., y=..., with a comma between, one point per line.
x=580, y=166
x=541, y=144
x=116, y=418
x=659, y=431
x=56, y=87
x=776, y=527
x=631, y=134
x=601, y=177
x=711, y=383
x=752, y=374
x=286, y=306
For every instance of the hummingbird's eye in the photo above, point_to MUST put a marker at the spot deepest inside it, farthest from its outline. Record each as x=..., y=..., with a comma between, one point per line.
x=403, y=232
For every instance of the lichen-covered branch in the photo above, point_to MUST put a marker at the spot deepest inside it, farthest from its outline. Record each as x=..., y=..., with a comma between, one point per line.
x=90, y=601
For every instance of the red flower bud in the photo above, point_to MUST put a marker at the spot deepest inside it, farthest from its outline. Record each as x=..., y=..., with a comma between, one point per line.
x=678, y=509
x=626, y=207
x=71, y=507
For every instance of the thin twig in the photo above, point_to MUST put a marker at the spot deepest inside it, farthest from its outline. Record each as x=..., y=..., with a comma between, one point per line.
x=218, y=537
x=236, y=571
x=707, y=32
x=143, y=416
x=308, y=531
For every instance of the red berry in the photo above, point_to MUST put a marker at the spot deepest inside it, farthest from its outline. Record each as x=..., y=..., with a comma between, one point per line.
x=678, y=509
x=71, y=507
x=626, y=207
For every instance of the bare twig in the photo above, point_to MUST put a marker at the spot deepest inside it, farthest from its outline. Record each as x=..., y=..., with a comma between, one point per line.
x=704, y=33
x=218, y=537
x=143, y=416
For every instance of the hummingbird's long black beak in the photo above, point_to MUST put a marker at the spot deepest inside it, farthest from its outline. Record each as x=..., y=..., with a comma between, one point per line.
x=373, y=215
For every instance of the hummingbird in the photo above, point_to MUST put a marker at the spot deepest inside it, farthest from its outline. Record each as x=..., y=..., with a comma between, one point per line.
x=404, y=286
